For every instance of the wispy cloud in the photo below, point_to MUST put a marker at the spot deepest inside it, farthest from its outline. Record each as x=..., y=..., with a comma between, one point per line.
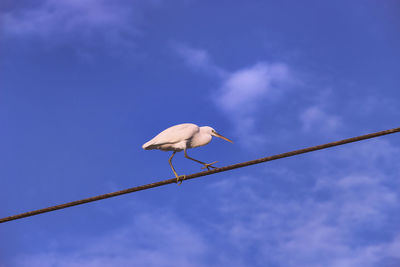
x=152, y=239
x=345, y=217
x=242, y=92
x=319, y=117
x=315, y=118
x=198, y=59
x=338, y=222
x=88, y=21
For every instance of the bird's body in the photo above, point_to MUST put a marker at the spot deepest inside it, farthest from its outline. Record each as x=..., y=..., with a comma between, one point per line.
x=181, y=137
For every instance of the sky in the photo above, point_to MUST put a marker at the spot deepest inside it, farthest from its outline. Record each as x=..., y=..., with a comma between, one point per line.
x=84, y=83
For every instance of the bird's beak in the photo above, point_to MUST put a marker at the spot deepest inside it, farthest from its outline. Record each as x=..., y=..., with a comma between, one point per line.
x=222, y=137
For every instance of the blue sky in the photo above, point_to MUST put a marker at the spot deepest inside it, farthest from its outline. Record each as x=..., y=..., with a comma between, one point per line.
x=83, y=84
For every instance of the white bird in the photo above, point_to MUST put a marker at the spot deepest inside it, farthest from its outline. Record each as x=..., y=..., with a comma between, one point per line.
x=181, y=137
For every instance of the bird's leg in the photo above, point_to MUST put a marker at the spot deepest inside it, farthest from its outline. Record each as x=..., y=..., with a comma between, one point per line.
x=172, y=167
x=206, y=165
x=209, y=165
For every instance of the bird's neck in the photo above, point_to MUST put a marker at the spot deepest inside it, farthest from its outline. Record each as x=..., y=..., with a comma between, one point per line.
x=200, y=139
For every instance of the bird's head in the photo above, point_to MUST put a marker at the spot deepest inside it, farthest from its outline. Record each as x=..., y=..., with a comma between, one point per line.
x=212, y=132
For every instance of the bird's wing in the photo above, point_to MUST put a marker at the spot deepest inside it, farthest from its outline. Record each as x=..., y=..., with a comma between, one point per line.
x=174, y=134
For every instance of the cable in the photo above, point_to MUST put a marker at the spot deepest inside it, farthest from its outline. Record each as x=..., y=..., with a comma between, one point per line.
x=199, y=174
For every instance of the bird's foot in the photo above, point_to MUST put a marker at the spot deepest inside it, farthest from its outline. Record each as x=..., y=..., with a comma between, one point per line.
x=180, y=179
x=209, y=165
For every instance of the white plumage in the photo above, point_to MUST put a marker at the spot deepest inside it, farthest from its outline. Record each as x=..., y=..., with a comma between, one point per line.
x=181, y=137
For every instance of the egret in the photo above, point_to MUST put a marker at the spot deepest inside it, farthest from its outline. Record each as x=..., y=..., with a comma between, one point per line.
x=181, y=137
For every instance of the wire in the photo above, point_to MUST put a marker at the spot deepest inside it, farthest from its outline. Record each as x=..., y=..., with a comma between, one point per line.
x=199, y=174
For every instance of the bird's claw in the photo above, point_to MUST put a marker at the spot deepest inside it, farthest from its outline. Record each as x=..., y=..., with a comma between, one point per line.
x=209, y=165
x=180, y=179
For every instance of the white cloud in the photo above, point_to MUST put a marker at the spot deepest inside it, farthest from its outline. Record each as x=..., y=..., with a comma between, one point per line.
x=243, y=92
x=83, y=20
x=316, y=118
x=347, y=219
x=198, y=59
x=155, y=239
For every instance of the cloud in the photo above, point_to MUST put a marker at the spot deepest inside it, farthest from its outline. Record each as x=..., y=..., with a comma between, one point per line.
x=245, y=91
x=347, y=219
x=242, y=92
x=315, y=118
x=344, y=214
x=198, y=59
x=152, y=239
x=86, y=21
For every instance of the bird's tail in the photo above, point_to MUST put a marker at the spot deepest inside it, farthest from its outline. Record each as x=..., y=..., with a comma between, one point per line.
x=149, y=146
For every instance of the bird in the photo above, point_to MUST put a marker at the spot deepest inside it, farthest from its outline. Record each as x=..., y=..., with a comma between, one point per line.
x=182, y=137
